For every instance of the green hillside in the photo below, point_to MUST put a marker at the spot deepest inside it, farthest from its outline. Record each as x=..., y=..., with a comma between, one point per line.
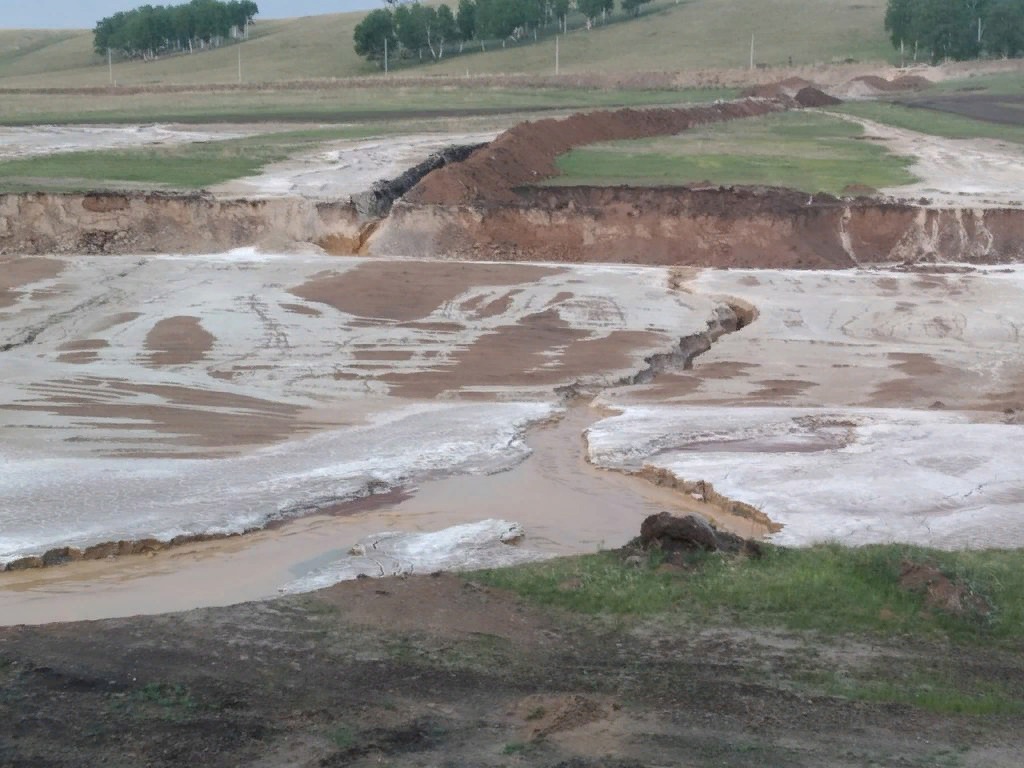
x=691, y=34
x=695, y=34
x=288, y=49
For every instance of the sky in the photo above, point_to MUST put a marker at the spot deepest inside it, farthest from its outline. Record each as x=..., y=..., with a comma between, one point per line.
x=82, y=14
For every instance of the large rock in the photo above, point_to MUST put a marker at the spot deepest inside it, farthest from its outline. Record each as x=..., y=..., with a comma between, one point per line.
x=689, y=532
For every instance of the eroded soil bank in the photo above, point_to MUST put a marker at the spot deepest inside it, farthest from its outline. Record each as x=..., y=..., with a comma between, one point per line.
x=482, y=205
x=712, y=227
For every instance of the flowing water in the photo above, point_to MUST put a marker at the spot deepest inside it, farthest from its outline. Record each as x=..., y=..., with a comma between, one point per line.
x=565, y=506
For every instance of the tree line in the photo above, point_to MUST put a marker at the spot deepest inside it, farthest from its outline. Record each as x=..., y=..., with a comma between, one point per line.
x=146, y=32
x=956, y=29
x=406, y=30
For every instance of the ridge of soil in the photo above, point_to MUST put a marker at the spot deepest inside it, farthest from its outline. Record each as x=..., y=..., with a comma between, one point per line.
x=526, y=153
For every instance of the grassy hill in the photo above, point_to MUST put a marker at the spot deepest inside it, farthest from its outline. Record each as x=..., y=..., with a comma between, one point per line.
x=690, y=34
x=287, y=49
x=695, y=34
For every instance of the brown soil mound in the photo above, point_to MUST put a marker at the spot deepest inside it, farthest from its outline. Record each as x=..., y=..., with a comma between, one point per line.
x=787, y=88
x=910, y=83
x=768, y=91
x=812, y=97
x=794, y=84
x=879, y=83
x=942, y=593
x=902, y=83
x=526, y=153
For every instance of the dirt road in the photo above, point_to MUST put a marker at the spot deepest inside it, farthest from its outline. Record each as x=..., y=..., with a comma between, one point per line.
x=967, y=173
x=441, y=671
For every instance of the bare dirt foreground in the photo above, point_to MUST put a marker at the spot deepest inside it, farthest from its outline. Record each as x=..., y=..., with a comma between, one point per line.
x=442, y=671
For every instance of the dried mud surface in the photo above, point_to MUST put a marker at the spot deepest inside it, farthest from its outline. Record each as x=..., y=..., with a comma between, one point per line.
x=443, y=671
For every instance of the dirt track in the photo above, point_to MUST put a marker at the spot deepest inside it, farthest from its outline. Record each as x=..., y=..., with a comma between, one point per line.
x=440, y=671
x=1006, y=109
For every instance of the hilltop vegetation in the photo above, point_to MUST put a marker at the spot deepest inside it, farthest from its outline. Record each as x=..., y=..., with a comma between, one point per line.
x=953, y=29
x=146, y=32
x=410, y=28
x=693, y=34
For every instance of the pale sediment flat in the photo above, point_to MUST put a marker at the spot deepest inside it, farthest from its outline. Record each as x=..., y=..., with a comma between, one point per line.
x=337, y=170
x=948, y=338
x=176, y=395
x=855, y=476
x=963, y=173
x=903, y=407
x=57, y=139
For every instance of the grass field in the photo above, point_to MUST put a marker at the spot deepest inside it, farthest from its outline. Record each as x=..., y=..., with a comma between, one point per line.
x=805, y=151
x=326, y=105
x=183, y=167
x=345, y=114
x=1007, y=83
x=932, y=122
x=824, y=590
x=696, y=34
x=690, y=34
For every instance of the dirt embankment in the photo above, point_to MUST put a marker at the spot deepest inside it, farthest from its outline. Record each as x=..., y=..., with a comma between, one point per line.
x=527, y=153
x=168, y=223
x=712, y=227
x=487, y=208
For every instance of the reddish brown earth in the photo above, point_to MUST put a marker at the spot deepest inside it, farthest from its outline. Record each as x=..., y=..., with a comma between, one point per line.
x=408, y=291
x=705, y=227
x=178, y=341
x=527, y=153
x=16, y=272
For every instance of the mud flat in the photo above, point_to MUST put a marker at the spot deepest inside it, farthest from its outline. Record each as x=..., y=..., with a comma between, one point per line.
x=903, y=407
x=57, y=139
x=172, y=397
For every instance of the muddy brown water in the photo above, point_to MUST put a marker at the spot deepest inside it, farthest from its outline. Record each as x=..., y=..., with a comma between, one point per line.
x=565, y=505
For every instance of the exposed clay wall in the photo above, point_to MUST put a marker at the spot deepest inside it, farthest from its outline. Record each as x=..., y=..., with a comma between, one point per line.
x=710, y=227
x=151, y=223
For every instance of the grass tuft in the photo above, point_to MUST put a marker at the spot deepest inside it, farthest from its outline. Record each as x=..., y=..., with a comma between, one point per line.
x=826, y=588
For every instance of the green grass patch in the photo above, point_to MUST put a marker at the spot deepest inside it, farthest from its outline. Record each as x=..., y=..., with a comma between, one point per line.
x=328, y=105
x=826, y=588
x=669, y=36
x=185, y=166
x=806, y=151
x=1007, y=83
x=932, y=122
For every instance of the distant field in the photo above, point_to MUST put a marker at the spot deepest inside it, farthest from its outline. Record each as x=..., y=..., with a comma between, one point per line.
x=1005, y=83
x=181, y=167
x=315, y=46
x=805, y=151
x=691, y=34
x=933, y=122
x=328, y=105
